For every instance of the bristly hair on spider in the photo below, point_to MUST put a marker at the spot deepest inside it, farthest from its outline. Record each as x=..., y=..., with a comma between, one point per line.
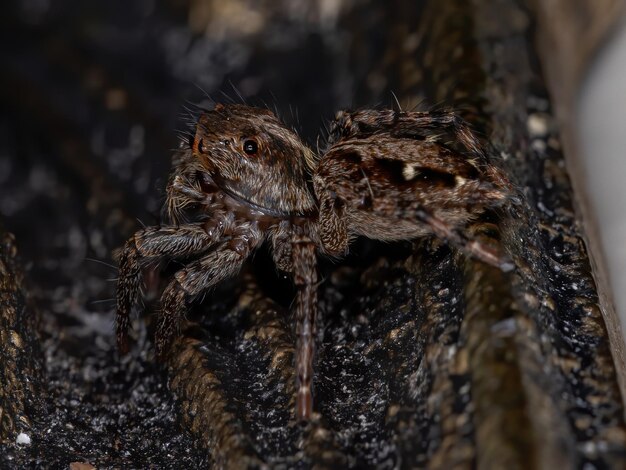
x=243, y=178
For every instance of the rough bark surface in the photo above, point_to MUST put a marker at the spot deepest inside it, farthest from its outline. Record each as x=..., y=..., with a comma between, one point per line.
x=20, y=355
x=427, y=359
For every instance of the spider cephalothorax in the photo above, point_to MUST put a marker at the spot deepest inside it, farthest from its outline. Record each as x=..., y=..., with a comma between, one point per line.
x=251, y=157
x=245, y=178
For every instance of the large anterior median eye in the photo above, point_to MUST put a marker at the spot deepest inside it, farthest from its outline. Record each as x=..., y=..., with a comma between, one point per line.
x=250, y=147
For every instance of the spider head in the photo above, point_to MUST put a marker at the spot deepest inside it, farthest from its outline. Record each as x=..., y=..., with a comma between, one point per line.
x=250, y=154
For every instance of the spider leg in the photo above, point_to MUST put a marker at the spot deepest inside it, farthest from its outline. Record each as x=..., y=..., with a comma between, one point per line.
x=281, y=246
x=180, y=187
x=199, y=276
x=154, y=243
x=458, y=239
x=332, y=227
x=333, y=230
x=182, y=191
x=305, y=277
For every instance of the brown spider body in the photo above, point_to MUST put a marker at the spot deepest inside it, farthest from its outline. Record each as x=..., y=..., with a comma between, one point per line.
x=246, y=178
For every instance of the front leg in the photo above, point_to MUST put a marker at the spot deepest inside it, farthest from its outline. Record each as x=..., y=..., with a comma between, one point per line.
x=154, y=243
x=197, y=277
x=305, y=278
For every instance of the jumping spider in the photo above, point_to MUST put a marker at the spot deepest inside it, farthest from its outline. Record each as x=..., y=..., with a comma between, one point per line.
x=245, y=178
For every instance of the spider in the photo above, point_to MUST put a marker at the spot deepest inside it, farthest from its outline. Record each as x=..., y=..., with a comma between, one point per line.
x=245, y=178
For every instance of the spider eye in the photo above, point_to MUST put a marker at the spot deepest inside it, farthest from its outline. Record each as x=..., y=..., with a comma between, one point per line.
x=250, y=147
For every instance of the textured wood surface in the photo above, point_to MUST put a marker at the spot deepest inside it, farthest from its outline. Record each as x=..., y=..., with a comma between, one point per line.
x=20, y=356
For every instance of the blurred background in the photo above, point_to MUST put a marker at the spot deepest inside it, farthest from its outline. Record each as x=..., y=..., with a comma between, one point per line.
x=601, y=120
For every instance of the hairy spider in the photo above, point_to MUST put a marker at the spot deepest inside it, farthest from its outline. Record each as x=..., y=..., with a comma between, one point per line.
x=245, y=178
